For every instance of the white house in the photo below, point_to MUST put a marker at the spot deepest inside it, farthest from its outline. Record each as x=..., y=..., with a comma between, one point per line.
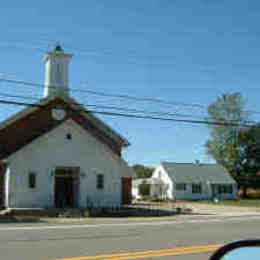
x=195, y=181
x=56, y=154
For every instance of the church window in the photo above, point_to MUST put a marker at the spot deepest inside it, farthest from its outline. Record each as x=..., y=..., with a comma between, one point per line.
x=32, y=180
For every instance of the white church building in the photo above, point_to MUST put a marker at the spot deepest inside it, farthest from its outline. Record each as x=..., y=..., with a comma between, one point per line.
x=56, y=154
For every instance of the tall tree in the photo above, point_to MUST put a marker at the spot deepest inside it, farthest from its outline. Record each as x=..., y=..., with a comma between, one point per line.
x=223, y=142
x=248, y=163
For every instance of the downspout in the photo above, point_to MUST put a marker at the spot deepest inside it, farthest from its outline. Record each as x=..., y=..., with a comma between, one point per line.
x=51, y=199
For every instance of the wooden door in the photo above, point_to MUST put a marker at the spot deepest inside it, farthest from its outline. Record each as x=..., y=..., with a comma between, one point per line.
x=64, y=195
x=126, y=190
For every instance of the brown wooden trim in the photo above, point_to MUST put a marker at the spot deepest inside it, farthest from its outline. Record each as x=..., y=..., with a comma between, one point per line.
x=1, y=185
x=14, y=136
x=126, y=190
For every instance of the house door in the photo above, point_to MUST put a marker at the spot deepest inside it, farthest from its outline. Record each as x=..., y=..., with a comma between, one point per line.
x=126, y=190
x=66, y=188
x=215, y=190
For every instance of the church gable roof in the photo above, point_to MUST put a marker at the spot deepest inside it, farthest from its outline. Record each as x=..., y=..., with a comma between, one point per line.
x=34, y=121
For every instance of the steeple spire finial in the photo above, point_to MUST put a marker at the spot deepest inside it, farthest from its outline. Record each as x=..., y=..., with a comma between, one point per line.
x=58, y=48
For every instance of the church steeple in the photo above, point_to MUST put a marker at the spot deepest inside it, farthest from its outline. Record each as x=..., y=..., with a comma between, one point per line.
x=56, y=72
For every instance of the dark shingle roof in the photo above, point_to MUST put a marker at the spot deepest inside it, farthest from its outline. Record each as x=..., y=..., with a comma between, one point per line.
x=194, y=173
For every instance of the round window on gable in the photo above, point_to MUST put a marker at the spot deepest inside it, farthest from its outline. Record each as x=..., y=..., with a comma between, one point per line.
x=68, y=136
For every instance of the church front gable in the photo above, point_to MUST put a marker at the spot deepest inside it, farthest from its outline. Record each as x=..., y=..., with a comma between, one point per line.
x=44, y=119
x=68, y=146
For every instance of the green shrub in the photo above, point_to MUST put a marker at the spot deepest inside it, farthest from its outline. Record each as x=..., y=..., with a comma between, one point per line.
x=144, y=189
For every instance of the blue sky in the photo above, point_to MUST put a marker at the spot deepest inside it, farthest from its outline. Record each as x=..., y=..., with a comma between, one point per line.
x=180, y=51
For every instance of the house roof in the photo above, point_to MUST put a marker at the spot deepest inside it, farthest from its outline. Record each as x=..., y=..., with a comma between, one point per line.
x=34, y=121
x=195, y=173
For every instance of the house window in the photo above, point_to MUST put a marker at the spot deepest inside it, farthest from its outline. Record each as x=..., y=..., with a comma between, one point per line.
x=100, y=181
x=196, y=188
x=220, y=190
x=180, y=186
x=32, y=180
x=225, y=188
x=230, y=189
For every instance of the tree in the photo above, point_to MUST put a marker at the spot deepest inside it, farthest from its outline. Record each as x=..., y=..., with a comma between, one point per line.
x=143, y=171
x=248, y=163
x=223, y=145
x=144, y=189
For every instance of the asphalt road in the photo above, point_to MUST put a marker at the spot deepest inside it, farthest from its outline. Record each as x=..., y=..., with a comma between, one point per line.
x=72, y=240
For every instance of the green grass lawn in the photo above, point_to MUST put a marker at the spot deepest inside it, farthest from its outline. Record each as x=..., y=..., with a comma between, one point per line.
x=238, y=203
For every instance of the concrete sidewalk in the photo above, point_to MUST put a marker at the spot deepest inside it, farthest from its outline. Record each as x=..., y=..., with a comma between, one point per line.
x=223, y=210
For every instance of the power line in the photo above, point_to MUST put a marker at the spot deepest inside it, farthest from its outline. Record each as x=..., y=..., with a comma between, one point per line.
x=18, y=96
x=227, y=124
x=127, y=97
x=114, y=107
x=147, y=99
x=9, y=102
x=169, y=119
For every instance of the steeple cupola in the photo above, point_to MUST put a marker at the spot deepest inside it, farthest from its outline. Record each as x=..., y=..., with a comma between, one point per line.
x=56, y=72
